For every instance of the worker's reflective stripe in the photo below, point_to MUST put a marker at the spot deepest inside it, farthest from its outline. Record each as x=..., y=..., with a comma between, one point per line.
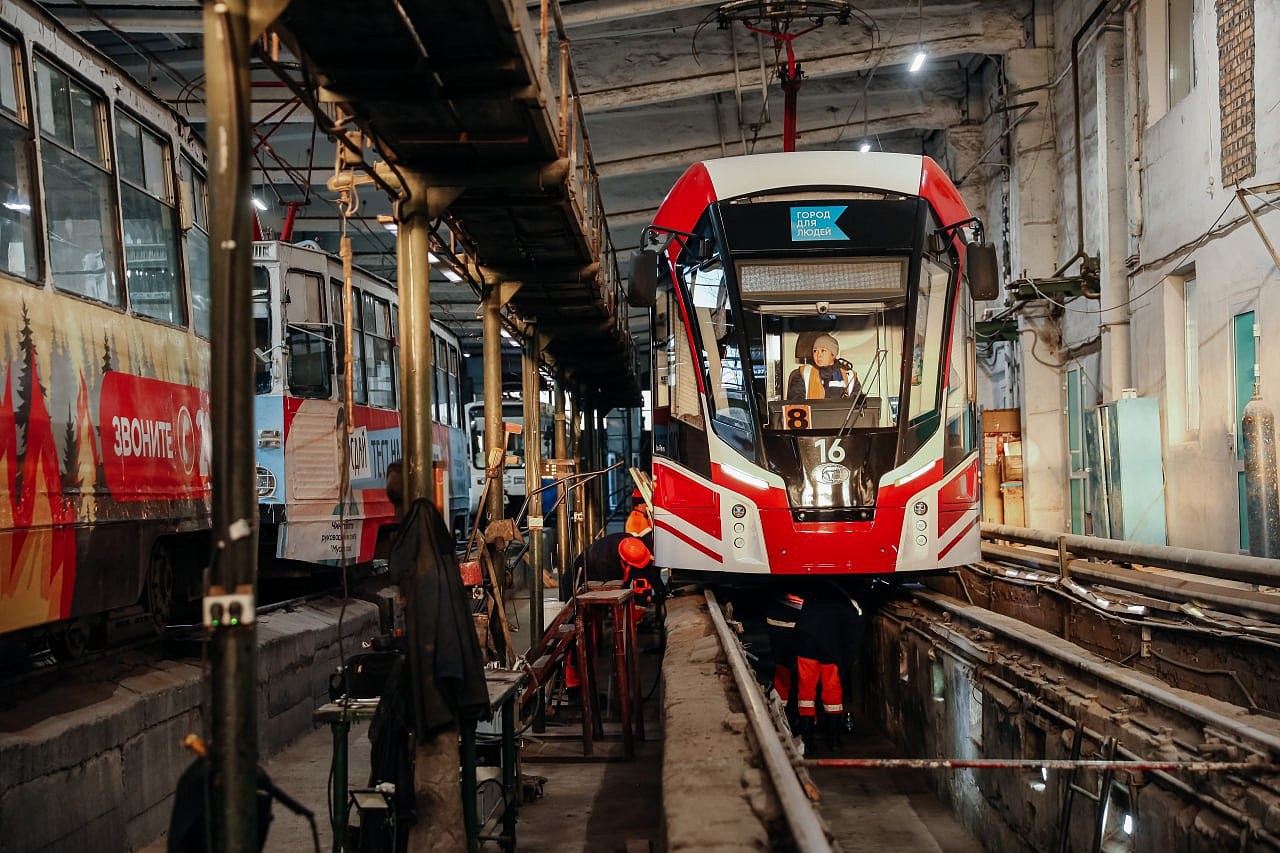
x=778, y=623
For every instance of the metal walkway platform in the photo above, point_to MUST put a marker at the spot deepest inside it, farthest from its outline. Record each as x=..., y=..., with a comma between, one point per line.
x=478, y=96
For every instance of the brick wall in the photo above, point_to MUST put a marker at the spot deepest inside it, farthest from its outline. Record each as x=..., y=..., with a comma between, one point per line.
x=1235, y=89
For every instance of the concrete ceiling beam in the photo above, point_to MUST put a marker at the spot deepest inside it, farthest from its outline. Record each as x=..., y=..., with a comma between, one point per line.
x=993, y=31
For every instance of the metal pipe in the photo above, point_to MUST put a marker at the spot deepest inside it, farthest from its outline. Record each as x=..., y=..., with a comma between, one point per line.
x=1045, y=764
x=799, y=811
x=1168, y=588
x=233, y=651
x=590, y=462
x=1237, y=567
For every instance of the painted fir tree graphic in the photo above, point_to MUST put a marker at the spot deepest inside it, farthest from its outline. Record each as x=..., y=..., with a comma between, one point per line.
x=26, y=387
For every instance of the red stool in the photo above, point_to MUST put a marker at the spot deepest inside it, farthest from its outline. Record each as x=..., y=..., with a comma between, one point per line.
x=592, y=608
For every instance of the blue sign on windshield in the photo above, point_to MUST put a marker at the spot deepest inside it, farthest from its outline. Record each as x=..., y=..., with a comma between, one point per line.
x=817, y=222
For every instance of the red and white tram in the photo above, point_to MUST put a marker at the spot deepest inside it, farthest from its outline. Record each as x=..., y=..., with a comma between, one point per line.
x=771, y=456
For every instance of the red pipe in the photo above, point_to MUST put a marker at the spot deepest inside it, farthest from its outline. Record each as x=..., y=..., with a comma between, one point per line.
x=286, y=233
x=1040, y=764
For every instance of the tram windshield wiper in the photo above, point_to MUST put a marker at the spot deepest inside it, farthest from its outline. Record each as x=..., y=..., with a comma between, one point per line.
x=859, y=401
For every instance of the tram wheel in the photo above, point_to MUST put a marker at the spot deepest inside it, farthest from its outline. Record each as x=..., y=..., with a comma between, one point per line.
x=71, y=641
x=158, y=595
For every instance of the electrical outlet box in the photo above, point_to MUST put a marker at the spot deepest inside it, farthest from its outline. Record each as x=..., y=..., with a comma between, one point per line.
x=228, y=611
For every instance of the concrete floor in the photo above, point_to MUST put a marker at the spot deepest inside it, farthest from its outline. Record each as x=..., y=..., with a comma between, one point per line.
x=596, y=804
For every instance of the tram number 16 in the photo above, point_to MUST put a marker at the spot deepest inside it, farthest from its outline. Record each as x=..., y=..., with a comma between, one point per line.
x=829, y=449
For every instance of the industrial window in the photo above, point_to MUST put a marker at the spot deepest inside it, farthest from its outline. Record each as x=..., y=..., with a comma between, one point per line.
x=195, y=199
x=79, y=202
x=1191, y=352
x=1181, y=60
x=150, y=222
x=19, y=251
x=378, y=351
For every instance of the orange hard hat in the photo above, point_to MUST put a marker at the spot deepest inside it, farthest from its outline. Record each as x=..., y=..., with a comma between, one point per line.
x=634, y=553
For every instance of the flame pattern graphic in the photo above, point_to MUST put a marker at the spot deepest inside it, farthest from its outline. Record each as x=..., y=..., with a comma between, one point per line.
x=37, y=542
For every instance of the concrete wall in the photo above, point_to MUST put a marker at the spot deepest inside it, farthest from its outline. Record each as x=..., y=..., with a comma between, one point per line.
x=1155, y=207
x=91, y=765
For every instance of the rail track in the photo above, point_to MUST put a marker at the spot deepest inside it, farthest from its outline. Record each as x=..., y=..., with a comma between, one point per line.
x=1075, y=687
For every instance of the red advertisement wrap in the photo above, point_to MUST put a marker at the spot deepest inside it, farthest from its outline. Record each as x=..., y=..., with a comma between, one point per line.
x=155, y=438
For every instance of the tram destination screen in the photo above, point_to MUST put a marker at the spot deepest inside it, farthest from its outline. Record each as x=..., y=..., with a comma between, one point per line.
x=881, y=226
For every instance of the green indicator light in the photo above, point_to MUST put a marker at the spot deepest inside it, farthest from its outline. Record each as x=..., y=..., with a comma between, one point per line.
x=235, y=622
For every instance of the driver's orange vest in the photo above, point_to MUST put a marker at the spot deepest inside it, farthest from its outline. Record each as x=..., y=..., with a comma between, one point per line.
x=814, y=389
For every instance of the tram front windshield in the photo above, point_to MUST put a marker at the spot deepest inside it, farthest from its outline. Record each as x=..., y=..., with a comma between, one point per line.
x=822, y=344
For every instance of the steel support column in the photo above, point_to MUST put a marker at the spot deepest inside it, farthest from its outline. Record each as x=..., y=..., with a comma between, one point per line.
x=563, y=495
x=533, y=479
x=233, y=717
x=417, y=360
x=589, y=442
x=493, y=438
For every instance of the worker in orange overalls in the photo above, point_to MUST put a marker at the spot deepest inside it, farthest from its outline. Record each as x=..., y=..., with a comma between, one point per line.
x=639, y=522
x=619, y=557
x=829, y=621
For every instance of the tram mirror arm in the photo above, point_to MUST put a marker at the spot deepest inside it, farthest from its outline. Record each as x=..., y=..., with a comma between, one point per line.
x=982, y=267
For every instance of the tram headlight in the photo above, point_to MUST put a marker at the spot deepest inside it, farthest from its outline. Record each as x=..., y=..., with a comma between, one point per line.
x=922, y=540
x=920, y=508
x=921, y=524
x=739, y=511
x=266, y=482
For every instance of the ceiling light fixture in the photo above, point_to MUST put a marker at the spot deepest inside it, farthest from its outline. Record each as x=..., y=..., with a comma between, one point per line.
x=864, y=147
x=451, y=275
x=917, y=62
x=258, y=203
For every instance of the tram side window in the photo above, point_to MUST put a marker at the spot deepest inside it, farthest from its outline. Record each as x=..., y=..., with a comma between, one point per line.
x=440, y=372
x=961, y=437
x=263, y=347
x=150, y=223
x=455, y=388
x=310, y=352
x=196, y=200
x=79, y=208
x=726, y=368
x=926, y=345
x=19, y=252
x=378, y=352
x=340, y=343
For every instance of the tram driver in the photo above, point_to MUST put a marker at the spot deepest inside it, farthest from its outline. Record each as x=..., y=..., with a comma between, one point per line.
x=824, y=379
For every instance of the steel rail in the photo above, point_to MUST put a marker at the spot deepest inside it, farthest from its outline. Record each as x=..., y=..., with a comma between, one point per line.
x=801, y=816
x=1242, y=602
x=1236, y=567
x=1021, y=633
